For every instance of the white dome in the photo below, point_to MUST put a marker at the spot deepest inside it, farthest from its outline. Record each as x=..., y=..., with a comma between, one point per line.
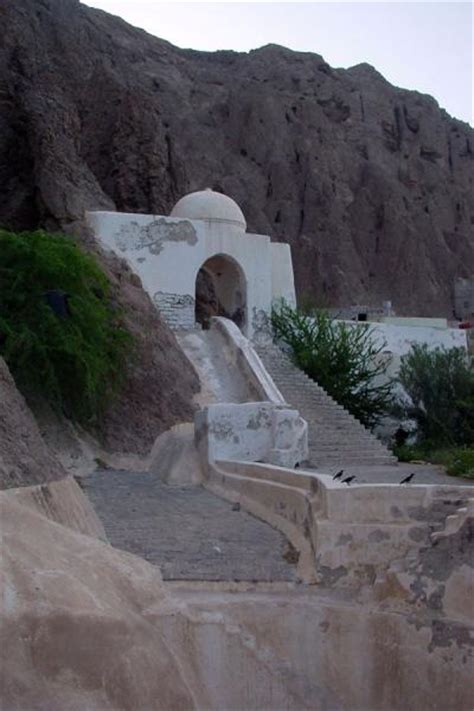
x=209, y=205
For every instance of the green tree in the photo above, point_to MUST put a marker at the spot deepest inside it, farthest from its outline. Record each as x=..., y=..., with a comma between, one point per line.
x=345, y=360
x=75, y=360
x=440, y=384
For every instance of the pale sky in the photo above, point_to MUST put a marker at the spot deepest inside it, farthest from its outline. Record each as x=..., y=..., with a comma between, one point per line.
x=426, y=46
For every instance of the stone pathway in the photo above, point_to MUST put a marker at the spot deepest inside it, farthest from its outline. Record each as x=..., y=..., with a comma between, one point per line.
x=190, y=533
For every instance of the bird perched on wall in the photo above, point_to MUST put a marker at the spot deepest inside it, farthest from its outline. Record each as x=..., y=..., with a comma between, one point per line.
x=408, y=478
x=348, y=479
x=338, y=474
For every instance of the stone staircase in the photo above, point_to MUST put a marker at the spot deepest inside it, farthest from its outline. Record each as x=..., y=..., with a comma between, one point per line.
x=335, y=436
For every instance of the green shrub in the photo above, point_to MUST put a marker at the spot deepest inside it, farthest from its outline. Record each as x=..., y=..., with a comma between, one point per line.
x=410, y=453
x=75, y=362
x=440, y=384
x=462, y=463
x=459, y=461
x=345, y=360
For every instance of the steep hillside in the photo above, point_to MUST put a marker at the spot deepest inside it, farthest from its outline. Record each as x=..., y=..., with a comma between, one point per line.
x=24, y=458
x=160, y=381
x=370, y=184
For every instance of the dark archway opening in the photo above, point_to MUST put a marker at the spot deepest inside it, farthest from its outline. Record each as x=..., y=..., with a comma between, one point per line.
x=220, y=291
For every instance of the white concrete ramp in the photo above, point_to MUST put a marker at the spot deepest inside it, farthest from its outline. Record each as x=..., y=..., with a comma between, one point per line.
x=221, y=381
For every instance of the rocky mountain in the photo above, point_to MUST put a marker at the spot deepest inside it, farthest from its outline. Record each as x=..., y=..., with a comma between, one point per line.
x=369, y=183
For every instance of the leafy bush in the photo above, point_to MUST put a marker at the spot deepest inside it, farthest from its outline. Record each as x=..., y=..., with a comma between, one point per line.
x=462, y=462
x=459, y=461
x=345, y=360
x=410, y=453
x=76, y=360
x=440, y=384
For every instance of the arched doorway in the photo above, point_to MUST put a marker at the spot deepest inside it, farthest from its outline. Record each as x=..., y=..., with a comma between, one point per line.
x=220, y=291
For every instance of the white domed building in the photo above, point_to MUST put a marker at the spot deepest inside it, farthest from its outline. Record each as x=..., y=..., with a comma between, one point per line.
x=200, y=261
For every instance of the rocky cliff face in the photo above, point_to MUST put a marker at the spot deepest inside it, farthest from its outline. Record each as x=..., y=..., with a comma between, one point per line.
x=24, y=457
x=370, y=184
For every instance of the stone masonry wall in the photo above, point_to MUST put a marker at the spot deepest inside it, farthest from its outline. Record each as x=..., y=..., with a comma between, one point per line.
x=178, y=310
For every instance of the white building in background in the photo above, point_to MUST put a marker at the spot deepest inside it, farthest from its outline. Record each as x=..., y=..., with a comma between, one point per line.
x=397, y=336
x=200, y=261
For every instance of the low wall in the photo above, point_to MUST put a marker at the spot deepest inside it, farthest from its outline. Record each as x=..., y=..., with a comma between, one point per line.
x=252, y=431
x=347, y=536
x=327, y=654
x=268, y=493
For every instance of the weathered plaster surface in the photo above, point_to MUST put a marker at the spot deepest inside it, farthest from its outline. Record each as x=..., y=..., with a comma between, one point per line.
x=355, y=533
x=220, y=369
x=255, y=431
x=338, y=655
x=152, y=236
x=283, y=282
x=245, y=359
x=167, y=253
x=399, y=339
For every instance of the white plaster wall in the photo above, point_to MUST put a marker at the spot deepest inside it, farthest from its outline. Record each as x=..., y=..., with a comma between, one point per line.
x=233, y=431
x=283, y=282
x=415, y=321
x=251, y=431
x=399, y=339
x=167, y=254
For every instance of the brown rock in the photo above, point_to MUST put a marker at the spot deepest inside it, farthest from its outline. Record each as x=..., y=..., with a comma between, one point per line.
x=24, y=458
x=85, y=626
x=160, y=381
x=31, y=472
x=73, y=633
x=369, y=183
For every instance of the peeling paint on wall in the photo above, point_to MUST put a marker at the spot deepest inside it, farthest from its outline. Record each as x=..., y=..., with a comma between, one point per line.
x=153, y=236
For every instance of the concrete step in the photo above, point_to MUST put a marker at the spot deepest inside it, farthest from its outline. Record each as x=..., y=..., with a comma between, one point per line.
x=335, y=436
x=345, y=458
x=344, y=441
x=349, y=447
x=327, y=428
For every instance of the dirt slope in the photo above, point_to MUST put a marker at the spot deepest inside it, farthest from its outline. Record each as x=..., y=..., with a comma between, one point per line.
x=160, y=381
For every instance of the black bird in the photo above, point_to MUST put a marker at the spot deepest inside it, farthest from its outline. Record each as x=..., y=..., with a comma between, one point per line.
x=348, y=479
x=338, y=475
x=408, y=478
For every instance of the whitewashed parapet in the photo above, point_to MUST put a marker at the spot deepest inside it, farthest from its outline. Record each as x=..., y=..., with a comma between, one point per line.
x=253, y=432
x=363, y=534
x=247, y=360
